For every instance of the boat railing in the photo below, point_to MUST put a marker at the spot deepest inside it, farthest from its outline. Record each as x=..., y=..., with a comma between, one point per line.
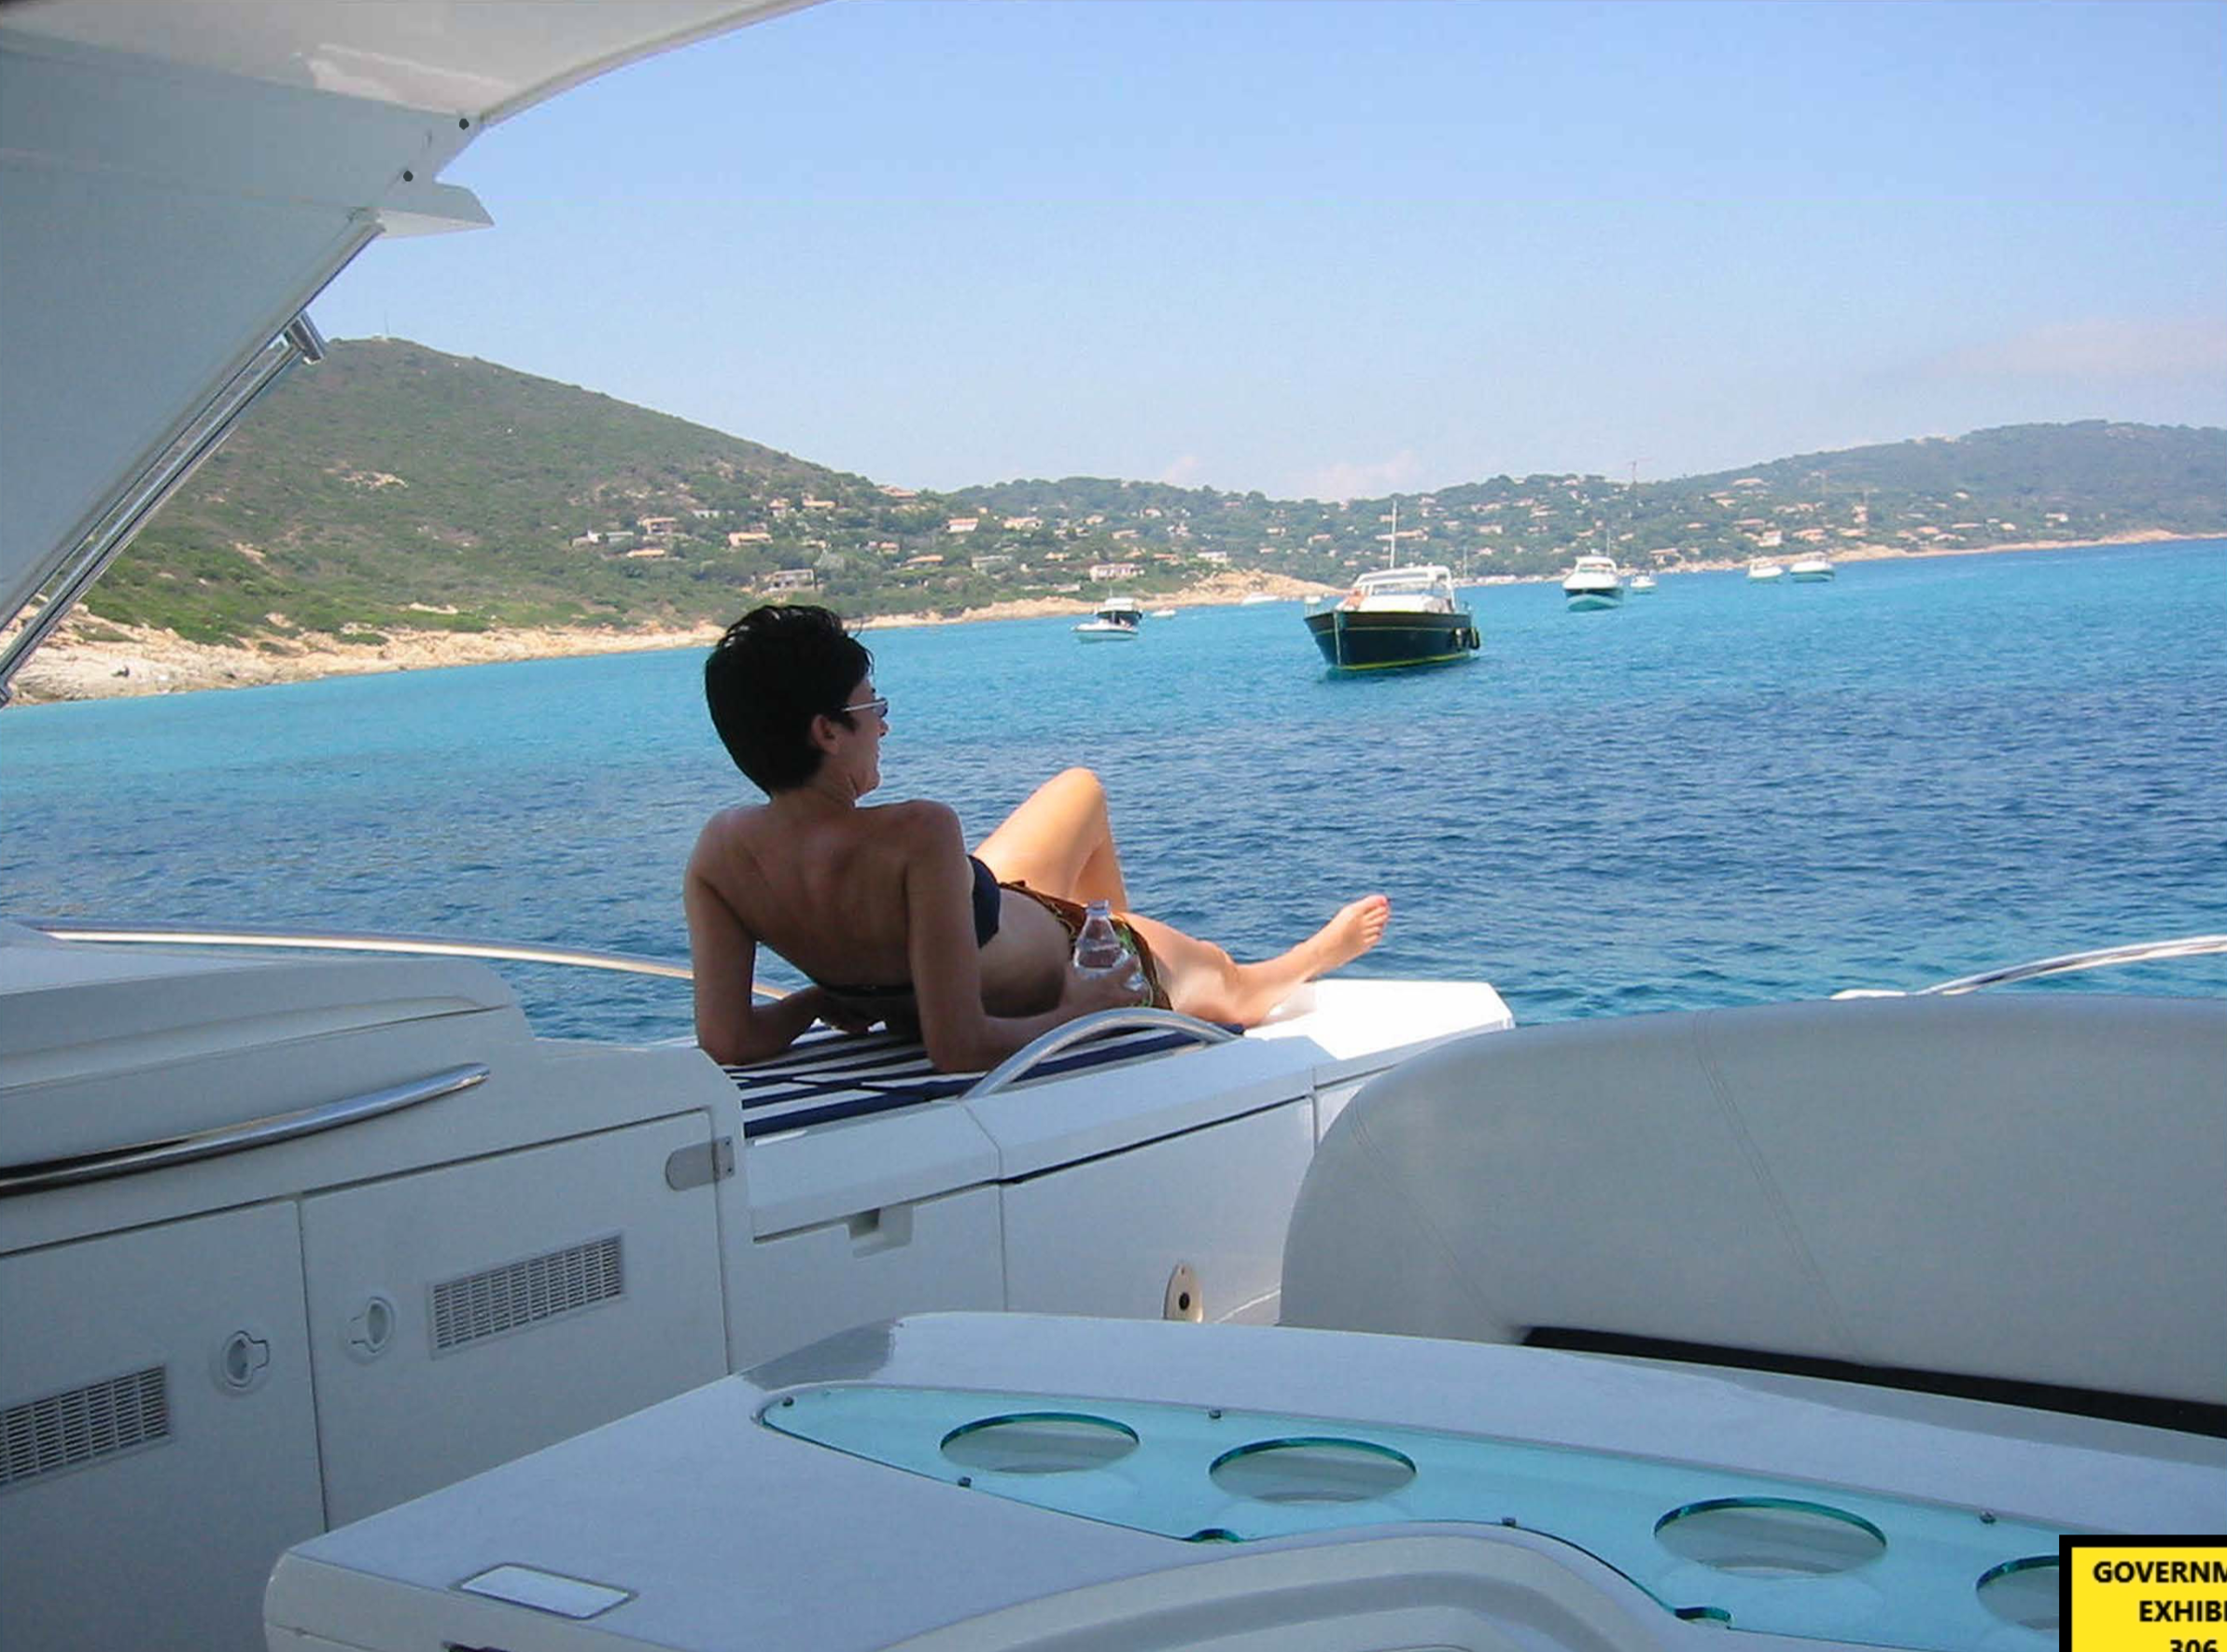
x=176, y=934
x=1025, y=1060
x=38, y=1175
x=2065, y=964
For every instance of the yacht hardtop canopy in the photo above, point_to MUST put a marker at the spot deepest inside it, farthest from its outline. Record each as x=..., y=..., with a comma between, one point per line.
x=1384, y=582
x=179, y=178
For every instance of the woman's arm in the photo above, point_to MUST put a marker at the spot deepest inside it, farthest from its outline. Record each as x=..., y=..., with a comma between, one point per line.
x=731, y=1026
x=946, y=963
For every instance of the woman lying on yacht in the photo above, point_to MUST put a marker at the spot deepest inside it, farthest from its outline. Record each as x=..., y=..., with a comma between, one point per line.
x=884, y=908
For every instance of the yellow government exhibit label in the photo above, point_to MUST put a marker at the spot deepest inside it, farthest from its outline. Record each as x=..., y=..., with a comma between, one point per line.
x=2146, y=1594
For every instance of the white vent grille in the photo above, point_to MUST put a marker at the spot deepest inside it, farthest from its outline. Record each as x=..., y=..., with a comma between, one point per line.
x=528, y=1292
x=85, y=1426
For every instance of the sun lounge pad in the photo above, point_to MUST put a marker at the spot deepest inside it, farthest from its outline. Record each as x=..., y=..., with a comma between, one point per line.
x=836, y=1077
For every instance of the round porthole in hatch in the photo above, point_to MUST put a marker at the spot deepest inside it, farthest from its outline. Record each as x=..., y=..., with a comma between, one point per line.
x=2023, y=1592
x=1770, y=1537
x=1311, y=1471
x=1039, y=1442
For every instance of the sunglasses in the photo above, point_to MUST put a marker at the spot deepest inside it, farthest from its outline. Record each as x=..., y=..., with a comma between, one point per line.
x=874, y=708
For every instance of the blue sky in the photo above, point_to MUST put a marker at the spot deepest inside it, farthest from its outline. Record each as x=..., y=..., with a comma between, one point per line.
x=1359, y=245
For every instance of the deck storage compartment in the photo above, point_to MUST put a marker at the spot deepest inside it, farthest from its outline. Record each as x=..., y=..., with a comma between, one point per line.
x=1161, y=1191
x=218, y=1331
x=855, y=1218
x=467, y=1314
x=1078, y=1192
x=156, y=1432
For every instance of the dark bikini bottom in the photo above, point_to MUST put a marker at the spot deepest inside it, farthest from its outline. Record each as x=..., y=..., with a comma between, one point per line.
x=987, y=895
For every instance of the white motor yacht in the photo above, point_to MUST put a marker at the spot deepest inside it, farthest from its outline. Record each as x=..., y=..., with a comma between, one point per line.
x=1592, y=583
x=1812, y=1321
x=1810, y=570
x=1118, y=619
x=1640, y=584
x=1763, y=571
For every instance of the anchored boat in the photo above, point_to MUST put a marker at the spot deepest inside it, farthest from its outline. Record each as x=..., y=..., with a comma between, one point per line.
x=1398, y=616
x=1593, y=583
x=1118, y=619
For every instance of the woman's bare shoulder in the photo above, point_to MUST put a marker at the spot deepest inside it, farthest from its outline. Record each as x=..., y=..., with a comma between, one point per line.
x=724, y=833
x=921, y=824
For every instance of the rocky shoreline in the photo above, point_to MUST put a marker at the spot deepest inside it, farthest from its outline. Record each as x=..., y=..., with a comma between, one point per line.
x=95, y=658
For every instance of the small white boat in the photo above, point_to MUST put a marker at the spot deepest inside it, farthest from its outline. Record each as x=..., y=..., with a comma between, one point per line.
x=1593, y=583
x=1810, y=570
x=1162, y=613
x=1255, y=598
x=1763, y=571
x=1641, y=585
x=1118, y=619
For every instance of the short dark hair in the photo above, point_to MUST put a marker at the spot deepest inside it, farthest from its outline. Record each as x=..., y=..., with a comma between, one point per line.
x=775, y=670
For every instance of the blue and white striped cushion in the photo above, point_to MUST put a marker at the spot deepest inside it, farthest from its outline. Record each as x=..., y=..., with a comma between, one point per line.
x=832, y=1076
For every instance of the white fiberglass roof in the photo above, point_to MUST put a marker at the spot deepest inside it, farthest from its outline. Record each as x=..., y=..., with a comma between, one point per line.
x=484, y=58
x=1403, y=579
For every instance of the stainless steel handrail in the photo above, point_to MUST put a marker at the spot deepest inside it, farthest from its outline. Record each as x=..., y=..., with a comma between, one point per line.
x=627, y=963
x=2097, y=958
x=255, y=1132
x=178, y=935
x=1018, y=1065
x=118, y=519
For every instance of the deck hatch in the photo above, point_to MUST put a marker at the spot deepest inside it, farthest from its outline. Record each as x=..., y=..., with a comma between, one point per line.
x=85, y=1426
x=528, y=1292
x=1746, y=1552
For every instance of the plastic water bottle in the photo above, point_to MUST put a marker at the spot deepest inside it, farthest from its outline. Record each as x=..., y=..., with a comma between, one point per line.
x=1099, y=950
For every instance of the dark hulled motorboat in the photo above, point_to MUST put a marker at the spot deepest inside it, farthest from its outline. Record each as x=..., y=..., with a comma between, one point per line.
x=1399, y=616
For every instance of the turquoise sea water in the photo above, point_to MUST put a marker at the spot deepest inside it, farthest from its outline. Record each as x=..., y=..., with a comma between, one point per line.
x=1718, y=795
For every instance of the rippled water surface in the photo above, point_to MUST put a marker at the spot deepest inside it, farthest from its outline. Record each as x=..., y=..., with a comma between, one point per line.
x=1719, y=794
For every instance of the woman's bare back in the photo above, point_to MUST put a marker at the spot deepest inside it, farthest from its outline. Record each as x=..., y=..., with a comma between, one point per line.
x=830, y=897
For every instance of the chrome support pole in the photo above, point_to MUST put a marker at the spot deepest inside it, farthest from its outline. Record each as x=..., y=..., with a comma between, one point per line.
x=173, y=463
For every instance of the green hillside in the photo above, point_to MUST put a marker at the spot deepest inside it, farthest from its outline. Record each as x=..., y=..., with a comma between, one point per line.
x=396, y=487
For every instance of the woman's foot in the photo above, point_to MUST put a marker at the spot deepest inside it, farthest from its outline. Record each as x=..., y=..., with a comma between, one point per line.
x=1358, y=925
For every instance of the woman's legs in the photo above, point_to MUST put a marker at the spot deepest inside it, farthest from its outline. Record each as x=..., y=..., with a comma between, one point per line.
x=1203, y=980
x=1061, y=841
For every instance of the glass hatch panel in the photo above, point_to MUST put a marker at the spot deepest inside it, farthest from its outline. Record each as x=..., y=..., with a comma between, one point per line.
x=1739, y=1550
